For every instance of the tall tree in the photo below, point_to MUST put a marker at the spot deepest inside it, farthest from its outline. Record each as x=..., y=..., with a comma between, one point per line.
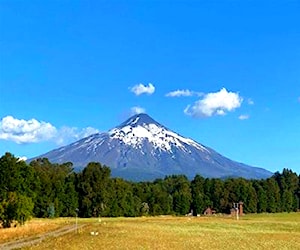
x=92, y=188
x=55, y=186
x=288, y=183
x=251, y=199
x=198, y=196
x=273, y=195
x=15, y=190
x=122, y=201
x=180, y=190
x=70, y=196
x=217, y=195
x=261, y=196
x=160, y=200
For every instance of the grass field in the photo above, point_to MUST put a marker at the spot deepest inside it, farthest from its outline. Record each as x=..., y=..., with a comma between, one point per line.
x=262, y=231
x=32, y=228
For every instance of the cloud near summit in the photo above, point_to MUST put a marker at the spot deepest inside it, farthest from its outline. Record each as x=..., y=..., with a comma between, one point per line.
x=137, y=110
x=183, y=92
x=143, y=89
x=33, y=131
x=215, y=103
x=244, y=117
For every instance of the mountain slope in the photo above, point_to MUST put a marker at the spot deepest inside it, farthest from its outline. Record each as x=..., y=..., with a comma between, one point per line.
x=142, y=149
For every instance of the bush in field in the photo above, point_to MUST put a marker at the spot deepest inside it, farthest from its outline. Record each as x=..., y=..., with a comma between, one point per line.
x=16, y=207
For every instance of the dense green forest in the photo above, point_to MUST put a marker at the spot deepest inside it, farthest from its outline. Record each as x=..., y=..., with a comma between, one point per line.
x=44, y=189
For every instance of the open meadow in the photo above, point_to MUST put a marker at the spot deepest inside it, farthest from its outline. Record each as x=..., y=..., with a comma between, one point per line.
x=257, y=231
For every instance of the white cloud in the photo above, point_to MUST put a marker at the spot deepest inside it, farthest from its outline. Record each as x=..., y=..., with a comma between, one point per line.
x=244, y=117
x=33, y=131
x=221, y=112
x=137, y=110
x=250, y=101
x=69, y=134
x=143, y=89
x=22, y=131
x=183, y=92
x=217, y=103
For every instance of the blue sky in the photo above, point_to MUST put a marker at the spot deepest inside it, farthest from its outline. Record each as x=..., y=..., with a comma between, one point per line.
x=225, y=73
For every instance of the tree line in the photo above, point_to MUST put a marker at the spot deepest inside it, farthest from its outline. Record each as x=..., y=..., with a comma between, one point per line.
x=45, y=189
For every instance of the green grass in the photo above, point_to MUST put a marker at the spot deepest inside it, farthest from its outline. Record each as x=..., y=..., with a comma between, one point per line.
x=262, y=231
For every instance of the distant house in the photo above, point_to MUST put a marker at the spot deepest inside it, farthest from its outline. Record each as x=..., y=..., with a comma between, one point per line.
x=209, y=211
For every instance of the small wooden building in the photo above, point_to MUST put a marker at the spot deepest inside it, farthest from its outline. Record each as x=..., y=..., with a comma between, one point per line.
x=209, y=211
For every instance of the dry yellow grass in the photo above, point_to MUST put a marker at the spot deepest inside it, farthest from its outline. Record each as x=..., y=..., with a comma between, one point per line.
x=32, y=228
x=277, y=231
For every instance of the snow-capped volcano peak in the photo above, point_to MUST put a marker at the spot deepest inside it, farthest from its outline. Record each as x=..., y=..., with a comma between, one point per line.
x=142, y=149
x=139, y=120
x=141, y=128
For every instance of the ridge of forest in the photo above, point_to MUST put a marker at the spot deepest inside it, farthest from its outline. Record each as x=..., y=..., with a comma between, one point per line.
x=45, y=189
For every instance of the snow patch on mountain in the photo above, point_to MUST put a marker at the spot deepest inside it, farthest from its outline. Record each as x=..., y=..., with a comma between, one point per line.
x=159, y=136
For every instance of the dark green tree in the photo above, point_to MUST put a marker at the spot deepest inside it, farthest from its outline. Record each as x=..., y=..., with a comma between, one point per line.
x=55, y=186
x=251, y=199
x=180, y=190
x=198, y=196
x=273, y=195
x=122, y=201
x=288, y=183
x=160, y=200
x=15, y=207
x=70, y=196
x=92, y=190
x=16, y=194
x=217, y=194
x=261, y=196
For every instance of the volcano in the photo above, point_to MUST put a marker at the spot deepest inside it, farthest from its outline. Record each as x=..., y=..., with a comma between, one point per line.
x=142, y=149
